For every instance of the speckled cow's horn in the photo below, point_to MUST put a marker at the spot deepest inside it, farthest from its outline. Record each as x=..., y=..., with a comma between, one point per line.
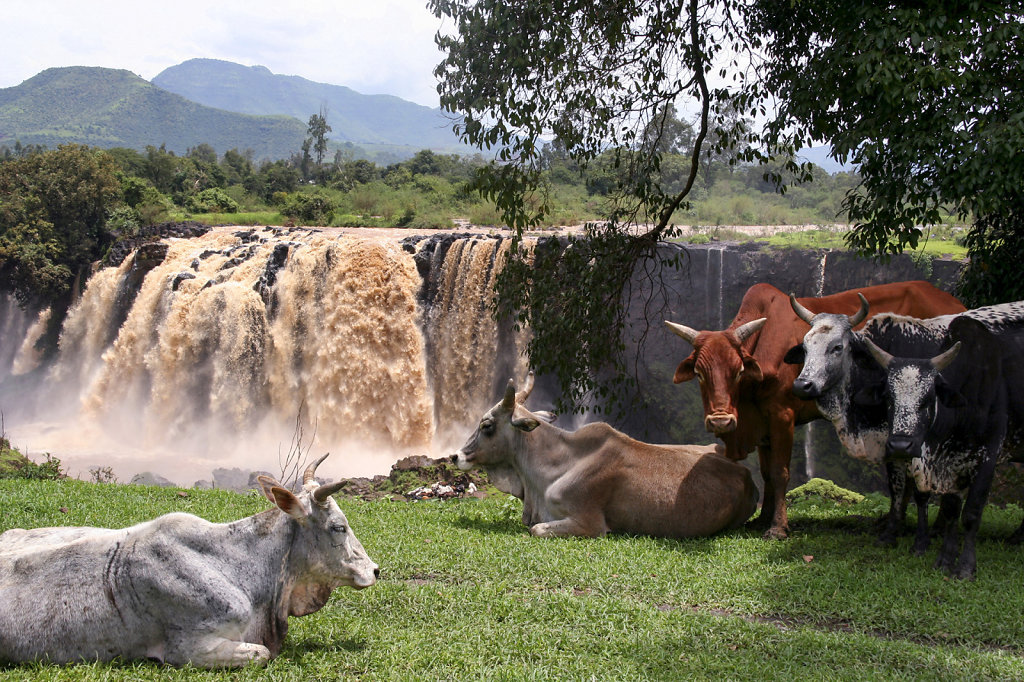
x=880, y=356
x=862, y=313
x=941, y=362
x=801, y=312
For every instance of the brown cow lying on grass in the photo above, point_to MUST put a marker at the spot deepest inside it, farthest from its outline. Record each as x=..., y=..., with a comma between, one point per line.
x=596, y=479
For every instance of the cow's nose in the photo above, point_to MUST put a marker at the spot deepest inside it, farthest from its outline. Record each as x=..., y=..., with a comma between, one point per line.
x=804, y=388
x=454, y=458
x=898, y=447
x=376, y=572
x=720, y=423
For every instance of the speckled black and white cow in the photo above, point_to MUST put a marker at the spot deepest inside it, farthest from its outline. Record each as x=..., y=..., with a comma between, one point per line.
x=947, y=428
x=954, y=416
x=836, y=366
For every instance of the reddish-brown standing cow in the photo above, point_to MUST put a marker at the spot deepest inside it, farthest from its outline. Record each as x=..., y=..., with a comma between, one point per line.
x=746, y=386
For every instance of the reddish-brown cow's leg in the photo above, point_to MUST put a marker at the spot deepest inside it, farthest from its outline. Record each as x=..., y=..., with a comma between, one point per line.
x=776, y=477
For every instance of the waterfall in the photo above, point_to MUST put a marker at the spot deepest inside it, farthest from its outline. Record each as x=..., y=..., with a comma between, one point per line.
x=235, y=340
x=714, y=285
x=819, y=290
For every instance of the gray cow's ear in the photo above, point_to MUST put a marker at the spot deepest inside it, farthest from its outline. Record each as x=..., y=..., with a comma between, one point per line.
x=546, y=416
x=287, y=502
x=266, y=483
x=795, y=355
x=525, y=423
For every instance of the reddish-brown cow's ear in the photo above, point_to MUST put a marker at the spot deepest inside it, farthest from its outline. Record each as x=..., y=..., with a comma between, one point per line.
x=751, y=369
x=685, y=371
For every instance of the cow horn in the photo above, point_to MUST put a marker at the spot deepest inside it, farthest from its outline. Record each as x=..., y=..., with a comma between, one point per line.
x=690, y=335
x=862, y=313
x=325, y=491
x=745, y=331
x=522, y=395
x=880, y=356
x=941, y=362
x=310, y=474
x=509, y=401
x=801, y=312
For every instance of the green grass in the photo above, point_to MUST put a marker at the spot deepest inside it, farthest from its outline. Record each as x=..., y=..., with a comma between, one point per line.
x=467, y=593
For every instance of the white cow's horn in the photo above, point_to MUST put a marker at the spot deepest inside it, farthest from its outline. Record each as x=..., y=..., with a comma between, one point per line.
x=522, y=395
x=323, y=492
x=690, y=335
x=310, y=474
x=801, y=312
x=862, y=313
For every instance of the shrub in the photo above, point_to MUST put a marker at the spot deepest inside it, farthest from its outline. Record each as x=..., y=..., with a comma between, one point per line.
x=309, y=208
x=212, y=200
x=13, y=464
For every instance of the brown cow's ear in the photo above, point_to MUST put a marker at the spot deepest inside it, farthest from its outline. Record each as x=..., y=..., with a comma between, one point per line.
x=751, y=369
x=686, y=370
x=525, y=423
x=287, y=502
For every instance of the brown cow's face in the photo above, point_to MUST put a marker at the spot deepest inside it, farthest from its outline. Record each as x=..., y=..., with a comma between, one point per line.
x=720, y=364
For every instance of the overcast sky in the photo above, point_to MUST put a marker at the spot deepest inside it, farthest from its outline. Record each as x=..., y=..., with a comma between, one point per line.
x=371, y=46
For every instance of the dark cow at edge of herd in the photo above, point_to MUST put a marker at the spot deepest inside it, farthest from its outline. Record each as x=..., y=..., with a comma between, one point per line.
x=908, y=377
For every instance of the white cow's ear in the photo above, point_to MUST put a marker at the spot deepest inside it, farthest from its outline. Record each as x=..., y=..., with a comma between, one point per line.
x=546, y=416
x=525, y=423
x=266, y=483
x=287, y=502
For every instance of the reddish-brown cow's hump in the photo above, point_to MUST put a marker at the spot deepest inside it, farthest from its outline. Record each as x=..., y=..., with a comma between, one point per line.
x=915, y=298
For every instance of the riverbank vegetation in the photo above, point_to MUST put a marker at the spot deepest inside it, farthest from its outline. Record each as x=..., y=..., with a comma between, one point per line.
x=467, y=593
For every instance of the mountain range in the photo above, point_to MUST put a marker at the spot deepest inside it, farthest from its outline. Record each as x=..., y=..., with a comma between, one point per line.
x=223, y=104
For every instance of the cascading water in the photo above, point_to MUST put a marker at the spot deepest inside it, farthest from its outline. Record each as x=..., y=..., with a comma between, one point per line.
x=233, y=341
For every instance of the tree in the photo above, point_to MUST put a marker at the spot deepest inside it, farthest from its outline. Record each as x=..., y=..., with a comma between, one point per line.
x=926, y=98
x=602, y=78
x=52, y=219
x=316, y=137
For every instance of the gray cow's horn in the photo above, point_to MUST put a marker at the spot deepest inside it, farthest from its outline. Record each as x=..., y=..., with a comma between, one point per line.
x=880, y=356
x=522, y=395
x=743, y=332
x=801, y=312
x=941, y=362
x=690, y=335
x=325, y=491
x=310, y=474
x=862, y=313
x=509, y=401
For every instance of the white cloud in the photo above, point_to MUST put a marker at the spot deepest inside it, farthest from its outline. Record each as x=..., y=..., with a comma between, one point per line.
x=385, y=46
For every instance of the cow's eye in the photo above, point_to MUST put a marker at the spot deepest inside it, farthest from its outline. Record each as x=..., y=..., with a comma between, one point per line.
x=338, y=528
x=700, y=377
x=836, y=350
x=487, y=427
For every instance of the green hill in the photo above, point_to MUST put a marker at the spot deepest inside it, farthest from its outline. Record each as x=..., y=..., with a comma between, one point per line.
x=115, y=108
x=364, y=120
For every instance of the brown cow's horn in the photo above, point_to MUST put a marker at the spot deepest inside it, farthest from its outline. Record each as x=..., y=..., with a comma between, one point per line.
x=323, y=492
x=522, y=395
x=743, y=332
x=801, y=312
x=880, y=356
x=310, y=474
x=862, y=313
x=941, y=362
x=509, y=401
x=690, y=335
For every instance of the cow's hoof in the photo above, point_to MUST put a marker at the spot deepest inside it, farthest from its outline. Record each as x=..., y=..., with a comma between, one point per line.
x=775, y=534
x=964, y=573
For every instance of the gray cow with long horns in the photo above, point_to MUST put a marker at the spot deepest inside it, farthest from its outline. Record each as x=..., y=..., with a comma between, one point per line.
x=595, y=479
x=178, y=589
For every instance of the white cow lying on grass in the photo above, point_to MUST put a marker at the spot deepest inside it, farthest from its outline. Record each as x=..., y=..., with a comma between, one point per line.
x=596, y=479
x=177, y=589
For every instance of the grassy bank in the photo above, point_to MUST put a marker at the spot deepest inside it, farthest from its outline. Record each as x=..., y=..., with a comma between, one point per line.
x=466, y=593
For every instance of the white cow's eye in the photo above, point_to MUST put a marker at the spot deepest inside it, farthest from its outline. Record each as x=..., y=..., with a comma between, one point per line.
x=338, y=528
